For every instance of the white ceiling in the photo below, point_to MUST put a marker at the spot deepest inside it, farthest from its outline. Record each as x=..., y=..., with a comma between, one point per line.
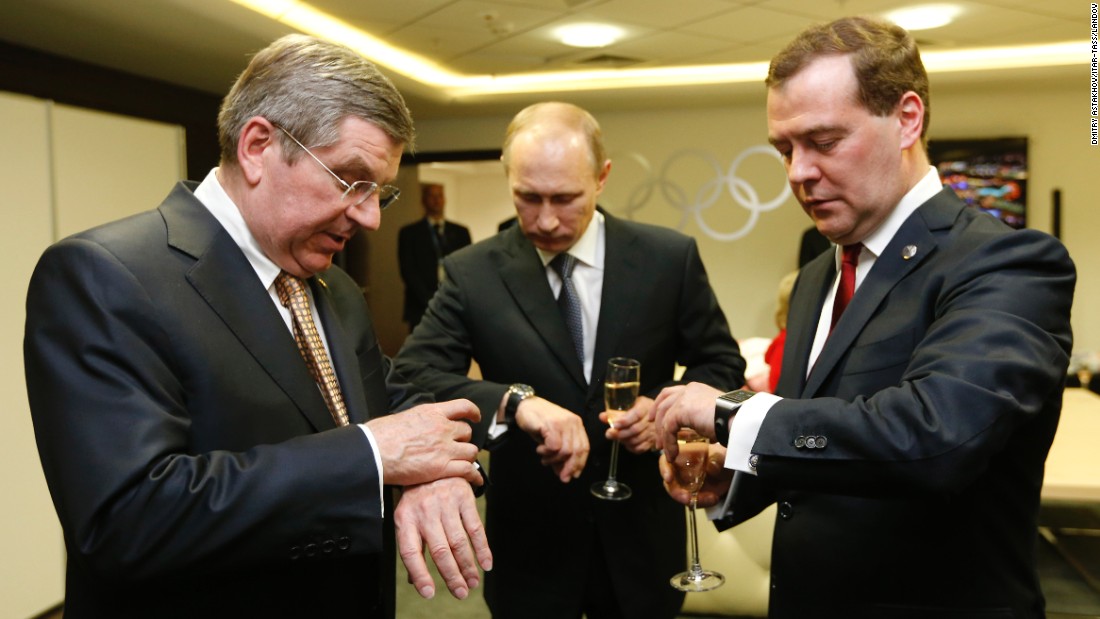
x=203, y=44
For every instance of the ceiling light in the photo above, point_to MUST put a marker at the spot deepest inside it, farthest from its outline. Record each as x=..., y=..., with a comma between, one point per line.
x=449, y=85
x=925, y=17
x=588, y=35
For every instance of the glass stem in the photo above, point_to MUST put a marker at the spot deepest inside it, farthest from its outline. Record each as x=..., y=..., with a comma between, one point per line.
x=614, y=470
x=696, y=567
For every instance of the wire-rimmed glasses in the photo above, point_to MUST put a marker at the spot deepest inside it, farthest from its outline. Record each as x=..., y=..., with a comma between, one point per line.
x=357, y=192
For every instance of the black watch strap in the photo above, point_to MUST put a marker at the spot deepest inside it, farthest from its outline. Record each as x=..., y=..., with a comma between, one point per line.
x=517, y=393
x=724, y=408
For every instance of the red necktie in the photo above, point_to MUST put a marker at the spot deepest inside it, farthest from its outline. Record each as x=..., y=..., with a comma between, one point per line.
x=847, y=286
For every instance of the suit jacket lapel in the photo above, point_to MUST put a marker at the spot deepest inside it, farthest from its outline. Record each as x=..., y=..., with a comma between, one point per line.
x=224, y=278
x=344, y=360
x=802, y=317
x=911, y=245
x=525, y=277
x=620, y=299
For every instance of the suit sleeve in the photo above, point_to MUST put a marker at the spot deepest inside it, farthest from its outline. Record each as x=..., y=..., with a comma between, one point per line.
x=113, y=421
x=437, y=355
x=990, y=361
x=704, y=344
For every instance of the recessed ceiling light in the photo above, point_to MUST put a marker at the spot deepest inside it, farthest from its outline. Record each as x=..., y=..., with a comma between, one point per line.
x=588, y=35
x=925, y=17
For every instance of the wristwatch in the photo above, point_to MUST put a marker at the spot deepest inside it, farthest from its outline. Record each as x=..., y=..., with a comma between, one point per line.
x=724, y=408
x=517, y=392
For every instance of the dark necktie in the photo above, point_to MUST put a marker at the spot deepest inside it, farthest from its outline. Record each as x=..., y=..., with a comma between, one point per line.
x=440, y=238
x=568, y=301
x=848, y=262
x=292, y=294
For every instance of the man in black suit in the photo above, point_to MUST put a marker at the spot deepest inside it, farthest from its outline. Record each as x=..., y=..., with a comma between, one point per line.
x=904, y=449
x=198, y=467
x=643, y=293
x=421, y=247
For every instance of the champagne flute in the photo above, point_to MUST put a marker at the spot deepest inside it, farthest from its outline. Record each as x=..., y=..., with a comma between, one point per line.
x=620, y=390
x=691, y=470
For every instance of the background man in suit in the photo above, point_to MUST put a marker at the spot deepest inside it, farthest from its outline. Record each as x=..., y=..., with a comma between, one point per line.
x=195, y=465
x=421, y=247
x=906, y=452
x=644, y=294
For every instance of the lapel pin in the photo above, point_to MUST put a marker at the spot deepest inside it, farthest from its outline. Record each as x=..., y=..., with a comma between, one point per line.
x=325, y=286
x=908, y=252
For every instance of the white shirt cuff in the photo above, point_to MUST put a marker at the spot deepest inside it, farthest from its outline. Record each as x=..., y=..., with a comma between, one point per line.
x=377, y=464
x=744, y=430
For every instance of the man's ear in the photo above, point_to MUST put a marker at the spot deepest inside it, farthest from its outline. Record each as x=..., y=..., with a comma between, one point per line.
x=911, y=119
x=257, y=137
x=601, y=180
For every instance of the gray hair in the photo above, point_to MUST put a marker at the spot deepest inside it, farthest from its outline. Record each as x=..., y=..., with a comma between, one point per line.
x=309, y=86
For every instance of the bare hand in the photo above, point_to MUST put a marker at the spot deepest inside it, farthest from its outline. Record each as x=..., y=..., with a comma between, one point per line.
x=442, y=517
x=563, y=442
x=715, y=486
x=427, y=442
x=683, y=406
x=634, y=429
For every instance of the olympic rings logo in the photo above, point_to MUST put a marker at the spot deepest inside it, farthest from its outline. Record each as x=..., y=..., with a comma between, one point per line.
x=724, y=181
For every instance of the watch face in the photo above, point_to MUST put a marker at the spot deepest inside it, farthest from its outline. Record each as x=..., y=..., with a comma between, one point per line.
x=738, y=396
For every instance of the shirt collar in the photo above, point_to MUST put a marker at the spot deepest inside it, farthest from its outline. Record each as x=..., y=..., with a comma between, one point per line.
x=928, y=186
x=585, y=250
x=213, y=196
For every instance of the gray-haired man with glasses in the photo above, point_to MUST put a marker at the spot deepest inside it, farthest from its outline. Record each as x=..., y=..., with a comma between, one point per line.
x=211, y=407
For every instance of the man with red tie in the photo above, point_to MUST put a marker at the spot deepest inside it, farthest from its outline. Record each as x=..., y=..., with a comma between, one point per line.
x=905, y=444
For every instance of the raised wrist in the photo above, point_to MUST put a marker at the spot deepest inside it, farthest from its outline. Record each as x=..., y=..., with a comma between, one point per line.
x=516, y=393
x=725, y=407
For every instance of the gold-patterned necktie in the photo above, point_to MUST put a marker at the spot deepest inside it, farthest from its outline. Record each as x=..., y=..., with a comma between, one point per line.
x=292, y=294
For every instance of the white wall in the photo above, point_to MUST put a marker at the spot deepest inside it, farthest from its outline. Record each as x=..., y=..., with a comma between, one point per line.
x=477, y=194
x=62, y=169
x=744, y=272
x=32, y=572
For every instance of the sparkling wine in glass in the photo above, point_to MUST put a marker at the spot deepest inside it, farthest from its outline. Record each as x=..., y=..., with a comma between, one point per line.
x=620, y=390
x=691, y=470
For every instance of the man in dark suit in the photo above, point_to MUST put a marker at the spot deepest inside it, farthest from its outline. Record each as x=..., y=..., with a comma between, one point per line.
x=198, y=467
x=421, y=247
x=905, y=449
x=643, y=293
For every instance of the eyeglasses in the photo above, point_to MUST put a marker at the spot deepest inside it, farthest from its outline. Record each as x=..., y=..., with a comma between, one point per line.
x=357, y=192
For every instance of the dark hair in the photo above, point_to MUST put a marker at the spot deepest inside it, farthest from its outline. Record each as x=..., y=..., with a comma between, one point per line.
x=309, y=86
x=884, y=57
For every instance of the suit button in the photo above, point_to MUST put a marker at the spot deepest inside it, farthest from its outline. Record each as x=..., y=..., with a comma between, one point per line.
x=811, y=442
x=311, y=550
x=821, y=442
x=800, y=442
x=786, y=510
x=295, y=552
x=328, y=546
x=344, y=543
